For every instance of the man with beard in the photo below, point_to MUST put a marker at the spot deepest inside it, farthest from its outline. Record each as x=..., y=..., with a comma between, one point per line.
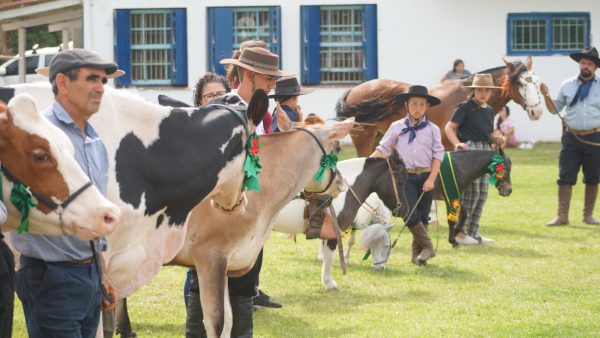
x=580, y=96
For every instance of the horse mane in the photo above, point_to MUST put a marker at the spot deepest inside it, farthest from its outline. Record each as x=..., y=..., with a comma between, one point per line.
x=366, y=111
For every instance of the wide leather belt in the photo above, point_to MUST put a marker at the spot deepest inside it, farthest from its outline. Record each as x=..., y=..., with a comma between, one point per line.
x=418, y=171
x=81, y=261
x=584, y=132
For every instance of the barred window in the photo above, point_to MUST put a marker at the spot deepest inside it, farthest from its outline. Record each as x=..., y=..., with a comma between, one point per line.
x=340, y=44
x=151, y=46
x=547, y=33
x=228, y=27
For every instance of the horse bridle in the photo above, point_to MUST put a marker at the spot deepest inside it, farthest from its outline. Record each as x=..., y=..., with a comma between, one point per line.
x=332, y=171
x=527, y=77
x=60, y=207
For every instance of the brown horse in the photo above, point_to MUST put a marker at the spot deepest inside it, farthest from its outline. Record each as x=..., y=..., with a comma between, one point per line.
x=373, y=103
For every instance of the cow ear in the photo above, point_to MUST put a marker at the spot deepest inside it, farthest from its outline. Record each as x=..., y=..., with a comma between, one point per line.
x=529, y=63
x=339, y=130
x=165, y=100
x=259, y=104
x=5, y=122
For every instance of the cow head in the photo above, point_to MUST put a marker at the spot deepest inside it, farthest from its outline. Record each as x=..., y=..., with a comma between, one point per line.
x=37, y=154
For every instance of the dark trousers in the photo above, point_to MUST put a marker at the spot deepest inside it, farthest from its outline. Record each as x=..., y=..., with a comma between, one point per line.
x=412, y=190
x=239, y=289
x=7, y=289
x=59, y=299
x=574, y=155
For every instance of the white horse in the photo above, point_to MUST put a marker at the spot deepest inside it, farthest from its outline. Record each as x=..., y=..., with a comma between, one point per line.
x=370, y=193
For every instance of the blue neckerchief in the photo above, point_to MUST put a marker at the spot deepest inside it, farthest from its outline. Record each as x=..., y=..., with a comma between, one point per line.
x=582, y=91
x=413, y=129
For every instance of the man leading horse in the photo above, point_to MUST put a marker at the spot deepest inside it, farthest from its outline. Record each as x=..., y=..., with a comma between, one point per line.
x=580, y=142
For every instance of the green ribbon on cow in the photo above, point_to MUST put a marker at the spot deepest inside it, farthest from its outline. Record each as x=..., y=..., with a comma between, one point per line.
x=496, y=169
x=23, y=201
x=328, y=161
x=252, y=164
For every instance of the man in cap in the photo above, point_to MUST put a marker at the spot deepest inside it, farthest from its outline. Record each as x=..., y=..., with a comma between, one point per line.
x=62, y=278
x=257, y=68
x=580, y=97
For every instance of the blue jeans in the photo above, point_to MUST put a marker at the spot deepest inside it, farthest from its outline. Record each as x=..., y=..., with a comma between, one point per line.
x=412, y=190
x=59, y=299
x=574, y=155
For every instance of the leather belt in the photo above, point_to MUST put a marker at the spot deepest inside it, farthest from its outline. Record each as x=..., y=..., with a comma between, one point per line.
x=584, y=132
x=81, y=261
x=418, y=171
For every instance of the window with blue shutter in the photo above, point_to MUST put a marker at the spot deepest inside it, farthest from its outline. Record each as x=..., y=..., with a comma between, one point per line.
x=228, y=27
x=151, y=46
x=547, y=33
x=339, y=44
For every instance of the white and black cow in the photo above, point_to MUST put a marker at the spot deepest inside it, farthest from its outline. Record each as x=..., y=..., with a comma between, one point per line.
x=371, y=181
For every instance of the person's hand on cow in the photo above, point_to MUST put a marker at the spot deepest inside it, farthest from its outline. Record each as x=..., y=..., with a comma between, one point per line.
x=497, y=139
x=109, y=288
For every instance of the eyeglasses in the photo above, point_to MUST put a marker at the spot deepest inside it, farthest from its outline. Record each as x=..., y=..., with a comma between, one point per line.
x=213, y=95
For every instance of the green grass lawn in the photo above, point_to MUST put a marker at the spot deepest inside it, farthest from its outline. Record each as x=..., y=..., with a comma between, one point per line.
x=533, y=281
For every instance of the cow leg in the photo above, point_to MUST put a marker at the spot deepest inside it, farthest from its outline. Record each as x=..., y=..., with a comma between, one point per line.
x=328, y=257
x=363, y=139
x=212, y=274
x=123, y=323
x=350, y=244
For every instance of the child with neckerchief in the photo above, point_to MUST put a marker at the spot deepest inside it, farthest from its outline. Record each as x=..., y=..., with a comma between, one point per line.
x=419, y=142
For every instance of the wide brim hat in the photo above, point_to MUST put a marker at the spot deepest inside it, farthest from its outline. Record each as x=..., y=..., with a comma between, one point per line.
x=78, y=58
x=259, y=60
x=289, y=86
x=588, y=53
x=483, y=81
x=418, y=91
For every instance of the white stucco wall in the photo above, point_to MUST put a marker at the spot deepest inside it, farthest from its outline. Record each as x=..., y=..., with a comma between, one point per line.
x=417, y=43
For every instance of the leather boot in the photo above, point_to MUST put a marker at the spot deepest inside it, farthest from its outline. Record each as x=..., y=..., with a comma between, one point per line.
x=416, y=248
x=564, y=200
x=591, y=191
x=422, y=239
x=316, y=213
x=242, y=309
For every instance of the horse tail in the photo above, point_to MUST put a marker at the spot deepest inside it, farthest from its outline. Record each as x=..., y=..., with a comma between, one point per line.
x=342, y=110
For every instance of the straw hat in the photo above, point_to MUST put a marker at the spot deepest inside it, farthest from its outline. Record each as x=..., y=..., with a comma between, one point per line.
x=258, y=60
x=483, y=81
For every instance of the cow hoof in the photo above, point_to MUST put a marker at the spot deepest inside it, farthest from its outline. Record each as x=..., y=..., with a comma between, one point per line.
x=378, y=268
x=333, y=289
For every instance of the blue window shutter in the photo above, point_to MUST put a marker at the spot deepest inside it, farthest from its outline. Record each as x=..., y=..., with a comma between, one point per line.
x=123, y=45
x=179, y=73
x=275, y=40
x=220, y=37
x=311, y=44
x=370, y=42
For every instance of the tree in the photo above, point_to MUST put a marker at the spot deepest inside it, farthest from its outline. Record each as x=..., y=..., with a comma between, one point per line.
x=37, y=34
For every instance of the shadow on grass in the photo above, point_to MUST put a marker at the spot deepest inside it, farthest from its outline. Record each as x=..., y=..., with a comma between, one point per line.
x=309, y=329
x=509, y=252
x=150, y=329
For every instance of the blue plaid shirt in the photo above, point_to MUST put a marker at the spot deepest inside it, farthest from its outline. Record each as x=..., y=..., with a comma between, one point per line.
x=584, y=115
x=92, y=157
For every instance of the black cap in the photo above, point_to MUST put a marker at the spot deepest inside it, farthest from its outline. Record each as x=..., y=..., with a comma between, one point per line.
x=78, y=58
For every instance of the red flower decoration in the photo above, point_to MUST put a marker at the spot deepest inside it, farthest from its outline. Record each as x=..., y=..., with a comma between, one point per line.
x=500, y=168
x=254, y=149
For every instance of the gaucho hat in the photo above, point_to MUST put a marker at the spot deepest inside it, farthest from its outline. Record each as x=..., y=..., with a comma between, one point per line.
x=259, y=60
x=418, y=91
x=483, y=81
x=588, y=53
x=288, y=86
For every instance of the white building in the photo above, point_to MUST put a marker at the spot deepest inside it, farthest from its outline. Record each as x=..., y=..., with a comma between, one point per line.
x=166, y=45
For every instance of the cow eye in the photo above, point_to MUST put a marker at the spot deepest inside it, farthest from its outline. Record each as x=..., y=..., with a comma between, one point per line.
x=40, y=155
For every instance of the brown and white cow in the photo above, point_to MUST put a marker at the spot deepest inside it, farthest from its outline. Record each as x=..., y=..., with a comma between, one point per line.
x=221, y=245
x=37, y=154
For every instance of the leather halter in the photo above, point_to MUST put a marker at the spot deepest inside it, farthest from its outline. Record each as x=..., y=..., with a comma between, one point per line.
x=333, y=172
x=60, y=207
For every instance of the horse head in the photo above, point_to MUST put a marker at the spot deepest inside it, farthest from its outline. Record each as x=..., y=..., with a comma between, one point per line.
x=522, y=85
x=376, y=238
x=38, y=159
x=504, y=184
x=389, y=183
